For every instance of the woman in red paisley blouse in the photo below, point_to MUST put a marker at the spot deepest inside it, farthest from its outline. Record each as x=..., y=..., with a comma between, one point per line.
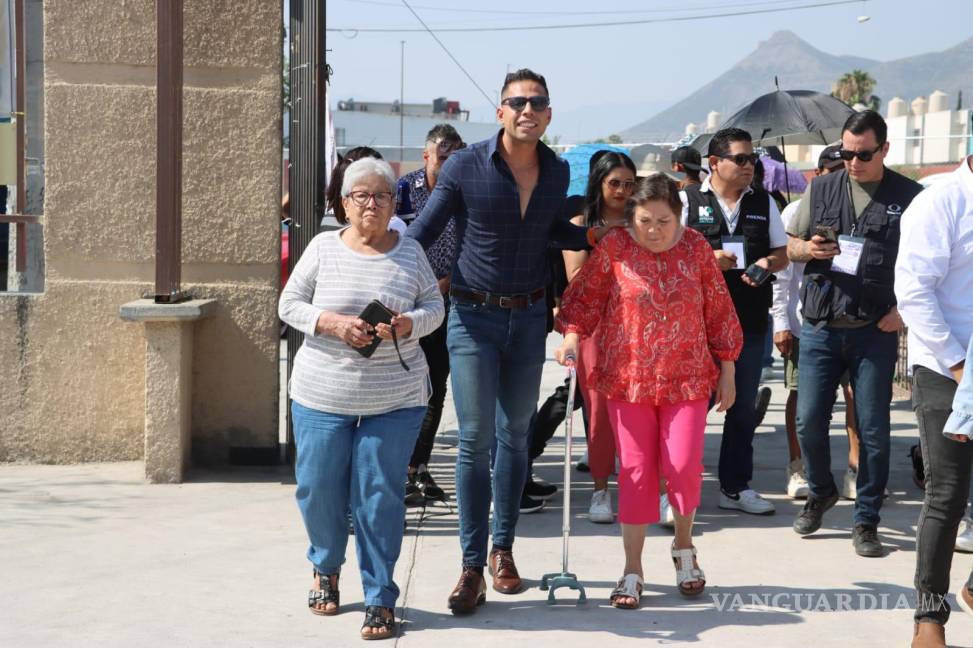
x=667, y=335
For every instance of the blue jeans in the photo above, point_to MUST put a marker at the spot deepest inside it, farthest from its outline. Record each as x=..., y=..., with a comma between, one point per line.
x=358, y=463
x=869, y=355
x=495, y=356
x=736, y=448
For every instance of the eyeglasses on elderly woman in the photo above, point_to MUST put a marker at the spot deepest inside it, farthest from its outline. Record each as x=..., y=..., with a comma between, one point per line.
x=361, y=198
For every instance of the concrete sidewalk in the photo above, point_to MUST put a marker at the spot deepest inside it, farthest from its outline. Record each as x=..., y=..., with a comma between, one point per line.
x=91, y=556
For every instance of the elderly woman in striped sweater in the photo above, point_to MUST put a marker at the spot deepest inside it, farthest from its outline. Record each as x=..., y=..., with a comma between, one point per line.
x=356, y=418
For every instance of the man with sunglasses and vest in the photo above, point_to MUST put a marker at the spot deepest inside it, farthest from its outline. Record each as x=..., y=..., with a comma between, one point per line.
x=847, y=233
x=743, y=226
x=507, y=195
x=411, y=194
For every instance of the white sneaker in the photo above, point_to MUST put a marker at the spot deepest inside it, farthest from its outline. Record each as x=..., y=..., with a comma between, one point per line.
x=964, y=540
x=666, y=517
x=797, y=487
x=748, y=501
x=849, y=485
x=600, y=511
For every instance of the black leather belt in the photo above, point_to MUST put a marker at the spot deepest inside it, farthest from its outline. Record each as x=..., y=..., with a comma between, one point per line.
x=523, y=300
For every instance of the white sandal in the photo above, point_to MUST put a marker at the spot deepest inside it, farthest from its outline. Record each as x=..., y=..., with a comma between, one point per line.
x=686, y=572
x=630, y=586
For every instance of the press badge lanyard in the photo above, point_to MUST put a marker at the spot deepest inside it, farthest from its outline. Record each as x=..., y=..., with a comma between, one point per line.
x=850, y=247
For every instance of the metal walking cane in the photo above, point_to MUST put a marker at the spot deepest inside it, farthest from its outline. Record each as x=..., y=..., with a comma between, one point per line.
x=555, y=581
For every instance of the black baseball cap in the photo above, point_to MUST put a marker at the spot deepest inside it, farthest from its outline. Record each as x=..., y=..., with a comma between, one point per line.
x=829, y=158
x=688, y=157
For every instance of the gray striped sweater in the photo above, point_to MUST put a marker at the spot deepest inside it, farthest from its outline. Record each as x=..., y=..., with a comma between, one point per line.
x=328, y=374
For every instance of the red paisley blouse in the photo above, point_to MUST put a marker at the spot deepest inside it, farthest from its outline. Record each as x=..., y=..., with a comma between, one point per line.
x=662, y=322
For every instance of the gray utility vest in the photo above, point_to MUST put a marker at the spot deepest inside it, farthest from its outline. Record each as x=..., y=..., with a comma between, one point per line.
x=752, y=304
x=868, y=295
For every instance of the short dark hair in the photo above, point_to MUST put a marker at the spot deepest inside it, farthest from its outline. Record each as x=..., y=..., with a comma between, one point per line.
x=524, y=74
x=443, y=133
x=864, y=121
x=657, y=186
x=720, y=144
x=332, y=194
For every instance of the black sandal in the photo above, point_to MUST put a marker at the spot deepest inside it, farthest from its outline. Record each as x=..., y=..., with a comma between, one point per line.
x=382, y=618
x=326, y=594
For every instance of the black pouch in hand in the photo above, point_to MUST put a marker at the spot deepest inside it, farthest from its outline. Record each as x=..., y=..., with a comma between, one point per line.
x=377, y=313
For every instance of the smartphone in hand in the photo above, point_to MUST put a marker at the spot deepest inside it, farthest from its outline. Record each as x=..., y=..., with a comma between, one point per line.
x=826, y=232
x=757, y=274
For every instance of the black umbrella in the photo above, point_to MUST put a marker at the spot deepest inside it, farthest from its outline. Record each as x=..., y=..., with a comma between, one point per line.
x=799, y=116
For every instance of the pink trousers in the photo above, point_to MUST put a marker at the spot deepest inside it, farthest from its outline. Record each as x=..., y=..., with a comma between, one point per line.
x=601, y=439
x=654, y=437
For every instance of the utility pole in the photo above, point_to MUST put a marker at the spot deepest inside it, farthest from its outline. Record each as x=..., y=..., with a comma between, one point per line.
x=402, y=105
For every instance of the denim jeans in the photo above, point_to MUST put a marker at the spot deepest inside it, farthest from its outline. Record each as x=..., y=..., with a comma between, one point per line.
x=948, y=465
x=869, y=355
x=358, y=463
x=736, y=447
x=496, y=356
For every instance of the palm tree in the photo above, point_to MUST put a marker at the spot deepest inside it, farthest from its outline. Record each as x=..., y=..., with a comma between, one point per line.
x=856, y=87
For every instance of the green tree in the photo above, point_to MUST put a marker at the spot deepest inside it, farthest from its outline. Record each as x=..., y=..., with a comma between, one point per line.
x=856, y=87
x=614, y=139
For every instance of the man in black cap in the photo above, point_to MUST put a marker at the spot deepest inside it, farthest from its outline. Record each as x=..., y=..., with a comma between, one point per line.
x=688, y=161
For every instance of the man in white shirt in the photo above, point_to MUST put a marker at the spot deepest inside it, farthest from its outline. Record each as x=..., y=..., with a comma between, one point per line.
x=743, y=226
x=787, y=330
x=934, y=289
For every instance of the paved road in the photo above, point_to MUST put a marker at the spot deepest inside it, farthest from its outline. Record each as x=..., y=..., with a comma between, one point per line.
x=91, y=556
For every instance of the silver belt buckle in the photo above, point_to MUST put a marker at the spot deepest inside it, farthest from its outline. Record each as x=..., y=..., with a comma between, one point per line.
x=505, y=301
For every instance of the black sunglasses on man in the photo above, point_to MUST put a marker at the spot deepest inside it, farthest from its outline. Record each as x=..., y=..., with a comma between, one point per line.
x=865, y=156
x=538, y=102
x=741, y=159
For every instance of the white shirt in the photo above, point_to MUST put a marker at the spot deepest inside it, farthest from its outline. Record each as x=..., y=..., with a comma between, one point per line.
x=778, y=237
x=786, y=307
x=396, y=224
x=934, y=272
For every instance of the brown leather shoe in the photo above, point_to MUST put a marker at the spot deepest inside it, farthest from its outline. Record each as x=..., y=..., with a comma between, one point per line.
x=469, y=592
x=929, y=635
x=506, y=580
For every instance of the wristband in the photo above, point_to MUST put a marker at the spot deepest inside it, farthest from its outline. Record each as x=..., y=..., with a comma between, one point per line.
x=590, y=234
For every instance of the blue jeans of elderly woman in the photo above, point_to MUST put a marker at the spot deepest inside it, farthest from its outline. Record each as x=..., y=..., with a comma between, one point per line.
x=358, y=463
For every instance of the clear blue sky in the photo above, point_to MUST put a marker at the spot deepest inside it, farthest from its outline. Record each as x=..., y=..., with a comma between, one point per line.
x=604, y=79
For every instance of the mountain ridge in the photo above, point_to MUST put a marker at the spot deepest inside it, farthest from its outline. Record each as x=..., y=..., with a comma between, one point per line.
x=798, y=65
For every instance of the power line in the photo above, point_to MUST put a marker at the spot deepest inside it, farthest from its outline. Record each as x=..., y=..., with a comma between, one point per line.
x=816, y=5
x=449, y=54
x=680, y=8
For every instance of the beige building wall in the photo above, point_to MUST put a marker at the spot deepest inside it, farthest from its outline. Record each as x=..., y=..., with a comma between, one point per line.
x=72, y=373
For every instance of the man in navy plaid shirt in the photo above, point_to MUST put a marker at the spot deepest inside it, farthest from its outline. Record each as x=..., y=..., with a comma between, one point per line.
x=506, y=195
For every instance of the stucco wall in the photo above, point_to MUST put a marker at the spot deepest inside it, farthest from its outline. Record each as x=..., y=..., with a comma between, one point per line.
x=72, y=372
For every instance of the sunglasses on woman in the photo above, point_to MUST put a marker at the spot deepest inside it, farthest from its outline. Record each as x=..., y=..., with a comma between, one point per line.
x=865, y=156
x=627, y=185
x=741, y=159
x=538, y=102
